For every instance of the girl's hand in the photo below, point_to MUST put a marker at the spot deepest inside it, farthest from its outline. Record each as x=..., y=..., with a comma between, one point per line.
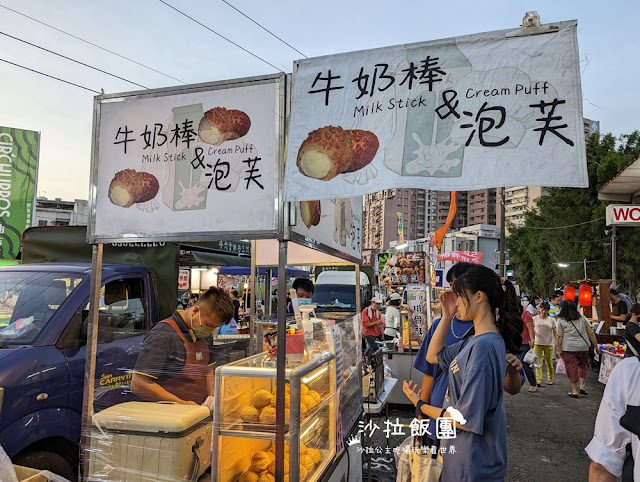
x=532, y=343
x=409, y=390
x=513, y=362
x=448, y=304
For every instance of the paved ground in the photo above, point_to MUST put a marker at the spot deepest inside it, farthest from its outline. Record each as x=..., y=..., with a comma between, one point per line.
x=546, y=434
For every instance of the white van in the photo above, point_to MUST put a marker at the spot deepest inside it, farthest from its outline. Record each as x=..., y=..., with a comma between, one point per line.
x=337, y=289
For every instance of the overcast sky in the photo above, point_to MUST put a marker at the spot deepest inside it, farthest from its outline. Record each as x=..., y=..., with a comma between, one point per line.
x=153, y=34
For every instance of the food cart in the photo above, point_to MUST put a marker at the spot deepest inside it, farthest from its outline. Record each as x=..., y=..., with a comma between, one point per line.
x=199, y=163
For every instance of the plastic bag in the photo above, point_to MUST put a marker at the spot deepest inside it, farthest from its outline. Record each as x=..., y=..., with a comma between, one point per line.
x=560, y=367
x=7, y=473
x=532, y=359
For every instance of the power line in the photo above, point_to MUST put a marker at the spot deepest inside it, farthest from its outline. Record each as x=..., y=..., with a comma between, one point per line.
x=50, y=76
x=220, y=35
x=562, y=227
x=265, y=29
x=72, y=60
x=92, y=44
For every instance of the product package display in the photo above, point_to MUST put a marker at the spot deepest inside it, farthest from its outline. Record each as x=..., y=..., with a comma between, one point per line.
x=245, y=414
x=150, y=441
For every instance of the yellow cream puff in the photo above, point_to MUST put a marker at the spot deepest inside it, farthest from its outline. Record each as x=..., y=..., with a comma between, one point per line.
x=325, y=153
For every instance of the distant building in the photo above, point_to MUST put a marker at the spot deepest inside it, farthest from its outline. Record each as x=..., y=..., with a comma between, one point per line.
x=482, y=238
x=57, y=212
x=380, y=217
x=481, y=207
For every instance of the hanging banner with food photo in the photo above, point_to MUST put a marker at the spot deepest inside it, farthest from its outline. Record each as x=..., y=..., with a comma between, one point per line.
x=477, y=111
x=334, y=225
x=188, y=162
x=401, y=268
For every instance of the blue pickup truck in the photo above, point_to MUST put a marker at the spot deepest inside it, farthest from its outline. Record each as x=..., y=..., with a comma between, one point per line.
x=43, y=331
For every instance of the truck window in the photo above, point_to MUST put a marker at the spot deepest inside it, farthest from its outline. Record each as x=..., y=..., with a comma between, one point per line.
x=122, y=311
x=28, y=300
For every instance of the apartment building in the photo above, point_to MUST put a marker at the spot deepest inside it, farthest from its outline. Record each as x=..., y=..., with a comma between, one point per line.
x=380, y=217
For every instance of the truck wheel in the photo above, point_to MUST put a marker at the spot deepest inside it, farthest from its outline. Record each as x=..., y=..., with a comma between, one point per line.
x=51, y=461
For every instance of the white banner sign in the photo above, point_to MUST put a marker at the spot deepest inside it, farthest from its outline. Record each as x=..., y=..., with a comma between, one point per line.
x=183, y=279
x=335, y=224
x=618, y=215
x=470, y=112
x=190, y=162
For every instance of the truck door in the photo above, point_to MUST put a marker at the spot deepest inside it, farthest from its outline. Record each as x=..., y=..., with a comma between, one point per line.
x=122, y=324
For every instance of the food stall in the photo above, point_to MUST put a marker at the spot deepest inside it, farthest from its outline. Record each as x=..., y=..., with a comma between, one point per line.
x=173, y=164
x=406, y=272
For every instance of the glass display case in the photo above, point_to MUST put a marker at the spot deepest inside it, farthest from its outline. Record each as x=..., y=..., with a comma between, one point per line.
x=244, y=420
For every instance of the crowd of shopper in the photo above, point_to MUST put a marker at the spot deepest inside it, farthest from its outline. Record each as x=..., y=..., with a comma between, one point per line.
x=470, y=354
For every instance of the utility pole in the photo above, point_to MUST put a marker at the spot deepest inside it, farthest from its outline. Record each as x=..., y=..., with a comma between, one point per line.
x=613, y=253
x=503, y=234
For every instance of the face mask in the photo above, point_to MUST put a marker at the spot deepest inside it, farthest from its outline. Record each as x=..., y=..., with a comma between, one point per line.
x=203, y=330
x=304, y=301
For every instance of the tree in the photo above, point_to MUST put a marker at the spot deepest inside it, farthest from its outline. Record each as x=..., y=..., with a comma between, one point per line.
x=568, y=225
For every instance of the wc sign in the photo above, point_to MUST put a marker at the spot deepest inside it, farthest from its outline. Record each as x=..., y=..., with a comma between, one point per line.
x=618, y=215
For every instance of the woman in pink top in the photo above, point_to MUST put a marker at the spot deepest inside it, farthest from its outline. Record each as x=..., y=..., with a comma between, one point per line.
x=544, y=328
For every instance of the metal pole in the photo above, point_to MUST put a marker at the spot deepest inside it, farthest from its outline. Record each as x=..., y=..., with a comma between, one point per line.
x=90, y=359
x=613, y=254
x=503, y=233
x=585, y=269
x=358, y=297
x=252, y=300
x=281, y=361
x=267, y=293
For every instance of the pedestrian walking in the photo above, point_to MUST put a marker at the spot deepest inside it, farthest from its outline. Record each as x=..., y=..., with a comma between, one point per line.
x=544, y=328
x=527, y=344
x=574, y=338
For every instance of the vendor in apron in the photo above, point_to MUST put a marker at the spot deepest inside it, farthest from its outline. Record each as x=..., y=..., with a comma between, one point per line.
x=175, y=363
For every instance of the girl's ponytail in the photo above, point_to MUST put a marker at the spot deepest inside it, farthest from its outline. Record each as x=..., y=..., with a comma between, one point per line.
x=510, y=323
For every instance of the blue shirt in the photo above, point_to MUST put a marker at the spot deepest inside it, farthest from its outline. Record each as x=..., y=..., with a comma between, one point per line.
x=476, y=370
x=228, y=328
x=456, y=333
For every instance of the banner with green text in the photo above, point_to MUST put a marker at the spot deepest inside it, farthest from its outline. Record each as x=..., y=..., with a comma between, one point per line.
x=19, y=150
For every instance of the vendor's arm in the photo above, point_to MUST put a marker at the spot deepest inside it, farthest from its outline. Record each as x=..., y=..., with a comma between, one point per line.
x=211, y=383
x=448, y=305
x=144, y=387
x=512, y=380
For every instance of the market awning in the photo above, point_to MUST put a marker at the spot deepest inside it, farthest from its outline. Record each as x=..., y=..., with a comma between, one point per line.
x=217, y=259
x=625, y=187
x=242, y=271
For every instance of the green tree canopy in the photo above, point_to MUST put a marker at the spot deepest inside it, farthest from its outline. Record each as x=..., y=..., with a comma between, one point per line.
x=568, y=225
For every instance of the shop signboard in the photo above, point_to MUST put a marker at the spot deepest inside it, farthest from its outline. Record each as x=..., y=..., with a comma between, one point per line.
x=19, y=151
x=619, y=215
x=183, y=279
x=188, y=163
x=333, y=226
x=461, y=256
x=477, y=111
x=418, y=311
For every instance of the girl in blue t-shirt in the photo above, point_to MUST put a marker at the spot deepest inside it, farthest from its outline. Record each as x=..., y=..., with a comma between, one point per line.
x=476, y=370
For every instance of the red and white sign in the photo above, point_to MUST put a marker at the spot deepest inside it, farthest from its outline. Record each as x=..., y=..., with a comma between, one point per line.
x=465, y=256
x=183, y=279
x=618, y=215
